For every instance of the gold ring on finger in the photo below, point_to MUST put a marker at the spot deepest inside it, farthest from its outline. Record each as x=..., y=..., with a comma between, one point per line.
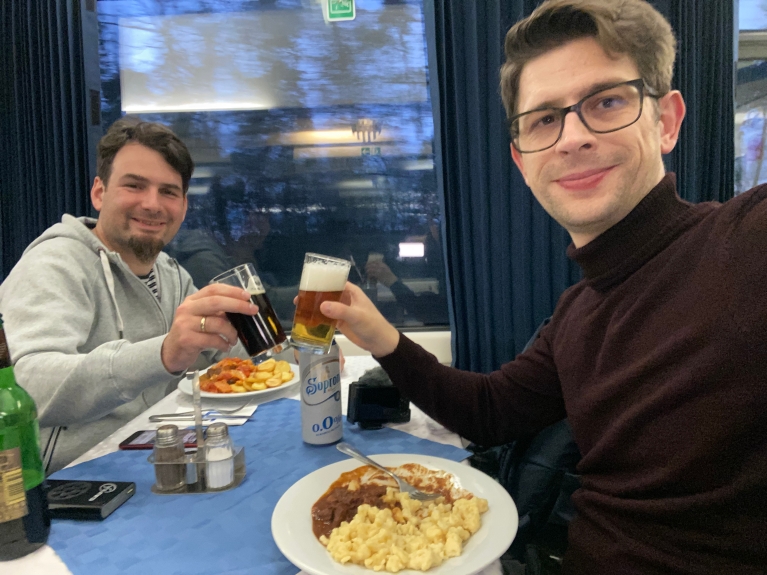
x=202, y=324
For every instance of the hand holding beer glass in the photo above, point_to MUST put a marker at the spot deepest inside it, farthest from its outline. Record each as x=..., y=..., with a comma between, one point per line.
x=322, y=279
x=261, y=334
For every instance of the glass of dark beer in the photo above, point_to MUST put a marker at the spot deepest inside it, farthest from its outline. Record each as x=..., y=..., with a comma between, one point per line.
x=322, y=279
x=261, y=334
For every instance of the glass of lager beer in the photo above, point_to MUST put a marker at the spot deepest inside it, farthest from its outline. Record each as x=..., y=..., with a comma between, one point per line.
x=323, y=279
x=261, y=334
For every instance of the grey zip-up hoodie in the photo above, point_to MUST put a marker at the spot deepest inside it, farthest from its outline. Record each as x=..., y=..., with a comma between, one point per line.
x=85, y=333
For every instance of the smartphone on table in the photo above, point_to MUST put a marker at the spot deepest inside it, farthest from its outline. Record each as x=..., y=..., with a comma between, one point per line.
x=145, y=439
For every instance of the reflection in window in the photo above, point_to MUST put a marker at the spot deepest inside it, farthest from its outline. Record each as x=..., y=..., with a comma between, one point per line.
x=750, y=125
x=306, y=136
x=751, y=96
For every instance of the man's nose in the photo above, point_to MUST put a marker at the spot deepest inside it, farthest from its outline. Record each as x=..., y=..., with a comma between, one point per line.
x=575, y=134
x=151, y=199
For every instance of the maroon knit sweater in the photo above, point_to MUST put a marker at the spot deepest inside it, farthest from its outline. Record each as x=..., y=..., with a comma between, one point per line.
x=658, y=357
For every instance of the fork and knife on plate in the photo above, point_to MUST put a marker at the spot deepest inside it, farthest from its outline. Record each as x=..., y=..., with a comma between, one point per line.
x=241, y=412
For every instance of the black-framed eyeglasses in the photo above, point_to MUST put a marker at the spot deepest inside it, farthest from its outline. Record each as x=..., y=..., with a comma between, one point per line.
x=606, y=110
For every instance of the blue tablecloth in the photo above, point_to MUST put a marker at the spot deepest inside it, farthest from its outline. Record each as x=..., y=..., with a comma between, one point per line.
x=207, y=534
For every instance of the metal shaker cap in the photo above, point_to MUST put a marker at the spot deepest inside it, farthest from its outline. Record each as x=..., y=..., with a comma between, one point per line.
x=217, y=430
x=166, y=435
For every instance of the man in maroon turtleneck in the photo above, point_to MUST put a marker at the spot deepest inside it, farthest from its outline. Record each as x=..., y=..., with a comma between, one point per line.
x=658, y=357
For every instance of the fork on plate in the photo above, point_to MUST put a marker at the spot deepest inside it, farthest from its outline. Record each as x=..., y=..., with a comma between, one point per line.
x=404, y=486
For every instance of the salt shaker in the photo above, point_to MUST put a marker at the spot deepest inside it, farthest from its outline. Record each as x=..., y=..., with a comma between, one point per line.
x=169, y=464
x=219, y=457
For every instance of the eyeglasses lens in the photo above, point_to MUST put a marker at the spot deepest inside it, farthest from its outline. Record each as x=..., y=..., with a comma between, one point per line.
x=606, y=111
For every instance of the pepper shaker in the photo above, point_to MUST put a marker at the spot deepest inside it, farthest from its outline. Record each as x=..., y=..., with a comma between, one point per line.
x=219, y=457
x=169, y=466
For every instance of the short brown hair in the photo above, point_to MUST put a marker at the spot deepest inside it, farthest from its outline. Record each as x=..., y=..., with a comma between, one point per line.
x=150, y=134
x=630, y=27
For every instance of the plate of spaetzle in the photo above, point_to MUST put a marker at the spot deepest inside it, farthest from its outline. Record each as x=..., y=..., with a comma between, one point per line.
x=348, y=518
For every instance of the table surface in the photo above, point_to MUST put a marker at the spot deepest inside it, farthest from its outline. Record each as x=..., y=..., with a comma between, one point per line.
x=45, y=561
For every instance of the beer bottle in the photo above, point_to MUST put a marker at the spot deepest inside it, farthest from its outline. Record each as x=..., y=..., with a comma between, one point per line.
x=24, y=519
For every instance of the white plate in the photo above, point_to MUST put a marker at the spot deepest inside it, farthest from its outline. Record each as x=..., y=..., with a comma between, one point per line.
x=292, y=519
x=185, y=386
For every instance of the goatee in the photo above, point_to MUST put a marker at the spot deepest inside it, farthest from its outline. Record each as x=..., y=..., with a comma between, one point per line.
x=145, y=249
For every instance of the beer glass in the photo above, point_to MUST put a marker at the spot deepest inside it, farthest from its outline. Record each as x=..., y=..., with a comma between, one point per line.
x=261, y=334
x=322, y=279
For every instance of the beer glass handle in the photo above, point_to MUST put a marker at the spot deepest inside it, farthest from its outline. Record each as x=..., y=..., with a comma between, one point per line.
x=352, y=452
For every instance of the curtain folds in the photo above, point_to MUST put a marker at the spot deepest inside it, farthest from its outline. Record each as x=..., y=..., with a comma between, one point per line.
x=505, y=256
x=43, y=122
x=704, y=159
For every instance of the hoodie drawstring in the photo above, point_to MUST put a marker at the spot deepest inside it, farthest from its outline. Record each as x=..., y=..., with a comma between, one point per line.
x=111, y=286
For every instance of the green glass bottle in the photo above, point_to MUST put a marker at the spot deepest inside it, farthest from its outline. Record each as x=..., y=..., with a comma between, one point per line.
x=24, y=519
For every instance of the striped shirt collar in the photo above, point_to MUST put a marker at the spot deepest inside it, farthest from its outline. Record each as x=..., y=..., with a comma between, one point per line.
x=151, y=282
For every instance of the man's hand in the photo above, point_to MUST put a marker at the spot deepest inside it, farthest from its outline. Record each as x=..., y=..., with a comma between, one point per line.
x=360, y=321
x=186, y=338
x=381, y=272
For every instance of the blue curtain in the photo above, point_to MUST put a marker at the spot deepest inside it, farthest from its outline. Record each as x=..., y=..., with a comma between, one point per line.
x=43, y=122
x=704, y=160
x=505, y=256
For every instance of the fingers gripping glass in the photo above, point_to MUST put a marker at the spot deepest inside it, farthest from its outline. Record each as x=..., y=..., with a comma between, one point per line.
x=607, y=110
x=262, y=333
x=322, y=279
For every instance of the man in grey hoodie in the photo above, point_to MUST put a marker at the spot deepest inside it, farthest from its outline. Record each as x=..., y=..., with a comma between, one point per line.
x=100, y=322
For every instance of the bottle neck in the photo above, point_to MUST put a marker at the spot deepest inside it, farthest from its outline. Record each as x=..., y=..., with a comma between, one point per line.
x=7, y=379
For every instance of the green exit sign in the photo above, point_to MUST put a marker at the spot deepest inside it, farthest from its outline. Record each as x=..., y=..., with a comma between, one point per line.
x=340, y=10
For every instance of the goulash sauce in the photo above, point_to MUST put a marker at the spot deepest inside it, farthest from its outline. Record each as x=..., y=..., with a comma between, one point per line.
x=368, y=485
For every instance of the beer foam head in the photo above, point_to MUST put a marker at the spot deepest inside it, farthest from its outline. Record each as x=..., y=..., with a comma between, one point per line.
x=318, y=276
x=255, y=287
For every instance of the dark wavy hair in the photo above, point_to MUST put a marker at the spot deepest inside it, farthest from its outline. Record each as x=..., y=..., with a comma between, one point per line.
x=150, y=134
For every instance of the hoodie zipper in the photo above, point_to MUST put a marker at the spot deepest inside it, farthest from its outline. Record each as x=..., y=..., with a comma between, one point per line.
x=178, y=283
x=154, y=298
x=125, y=268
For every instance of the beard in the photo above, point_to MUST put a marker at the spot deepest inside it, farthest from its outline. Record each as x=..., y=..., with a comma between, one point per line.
x=145, y=249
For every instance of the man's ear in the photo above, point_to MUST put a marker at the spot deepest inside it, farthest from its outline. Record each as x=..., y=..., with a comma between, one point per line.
x=517, y=157
x=672, y=110
x=97, y=193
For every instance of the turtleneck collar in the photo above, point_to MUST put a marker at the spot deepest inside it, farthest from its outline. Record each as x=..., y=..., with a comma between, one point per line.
x=652, y=225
